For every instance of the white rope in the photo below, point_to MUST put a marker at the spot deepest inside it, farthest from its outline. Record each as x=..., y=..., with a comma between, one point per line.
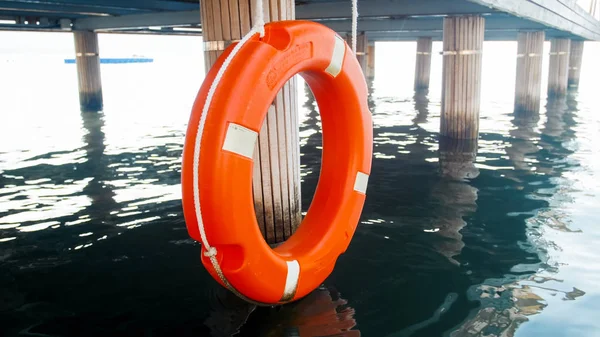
x=258, y=19
x=354, y=24
x=211, y=252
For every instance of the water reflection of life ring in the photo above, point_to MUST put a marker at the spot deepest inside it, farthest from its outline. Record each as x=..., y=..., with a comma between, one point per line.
x=234, y=118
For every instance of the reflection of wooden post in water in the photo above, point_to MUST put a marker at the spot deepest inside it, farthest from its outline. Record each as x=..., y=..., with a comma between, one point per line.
x=455, y=197
x=322, y=313
x=555, y=110
x=277, y=156
x=522, y=144
x=96, y=165
x=557, y=132
x=88, y=70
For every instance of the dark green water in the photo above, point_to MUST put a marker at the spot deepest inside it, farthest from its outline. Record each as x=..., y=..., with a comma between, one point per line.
x=456, y=238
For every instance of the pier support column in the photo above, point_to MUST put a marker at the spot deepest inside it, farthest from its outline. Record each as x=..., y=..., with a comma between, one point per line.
x=575, y=63
x=370, y=72
x=88, y=70
x=461, y=83
x=559, y=67
x=529, y=72
x=277, y=156
x=423, y=66
x=457, y=158
x=361, y=49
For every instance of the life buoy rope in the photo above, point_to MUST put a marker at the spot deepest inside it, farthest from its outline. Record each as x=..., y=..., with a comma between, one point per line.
x=211, y=252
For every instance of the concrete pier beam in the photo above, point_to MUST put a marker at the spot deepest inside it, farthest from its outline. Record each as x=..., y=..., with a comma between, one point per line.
x=88, y=70
x=529, y=72
x=276, y=182
x=575, y=63
x=370, y=71
x=560, y=51
x=461, y=82
x=423, y=64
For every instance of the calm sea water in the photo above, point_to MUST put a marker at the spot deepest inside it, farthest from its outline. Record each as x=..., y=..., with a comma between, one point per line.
x=452, y=242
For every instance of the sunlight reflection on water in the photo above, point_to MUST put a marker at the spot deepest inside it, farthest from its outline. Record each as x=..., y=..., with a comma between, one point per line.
x=454, y=237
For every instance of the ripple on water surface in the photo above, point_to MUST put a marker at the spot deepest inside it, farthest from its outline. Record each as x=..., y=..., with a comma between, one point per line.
x=488, y=238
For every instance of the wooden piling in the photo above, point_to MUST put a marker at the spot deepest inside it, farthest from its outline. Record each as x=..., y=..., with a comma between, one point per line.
x=276, y=181
x=423, y=64
x=529, y=72
x=370, y=72
x=88, y=70
x=362, y=44
x=461, y=82
x=559, y=67
x=457, y=158
x=361, y=50
x=575, y=63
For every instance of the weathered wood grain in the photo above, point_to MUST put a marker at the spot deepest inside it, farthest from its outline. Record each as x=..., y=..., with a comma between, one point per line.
x=370, y=72
x=529, y=72
x=88, y=70
x=423, y=63
x=276, y=177
x=575, y=61
x=559, y=67
x=461, y=79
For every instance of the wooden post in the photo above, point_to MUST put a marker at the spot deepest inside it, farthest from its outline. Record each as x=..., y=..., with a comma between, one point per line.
x=575, y=63
x=529, y=72
x=370, y=73
x=88, y=70
x=559, y=67
x=423, y=66
x=457, y=158
x=277, y=156
x=361, y=50
x=461, y=82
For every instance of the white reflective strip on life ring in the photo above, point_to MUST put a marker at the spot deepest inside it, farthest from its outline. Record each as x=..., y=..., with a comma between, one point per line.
x=291, y=281
x=337, y=58
x=361, y=182
x=240, y=140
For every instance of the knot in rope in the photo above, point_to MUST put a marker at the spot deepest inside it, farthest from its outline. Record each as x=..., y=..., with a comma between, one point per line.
x=211, y=252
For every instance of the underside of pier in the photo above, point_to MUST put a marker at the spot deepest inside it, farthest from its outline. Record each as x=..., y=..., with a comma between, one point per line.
x=381, y=20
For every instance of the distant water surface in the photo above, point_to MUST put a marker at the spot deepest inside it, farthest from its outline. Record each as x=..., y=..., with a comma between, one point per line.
x=456, y=238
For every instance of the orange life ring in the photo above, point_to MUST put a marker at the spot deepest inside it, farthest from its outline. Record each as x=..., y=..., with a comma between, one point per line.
x=234, y=118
